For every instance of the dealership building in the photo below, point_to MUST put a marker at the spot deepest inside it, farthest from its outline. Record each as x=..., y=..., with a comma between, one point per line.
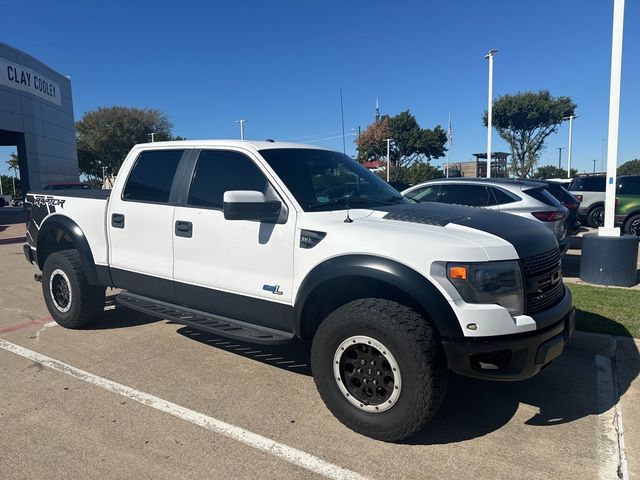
x=36, y=116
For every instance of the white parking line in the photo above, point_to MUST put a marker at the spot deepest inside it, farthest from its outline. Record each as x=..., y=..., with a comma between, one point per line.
x=267, y=445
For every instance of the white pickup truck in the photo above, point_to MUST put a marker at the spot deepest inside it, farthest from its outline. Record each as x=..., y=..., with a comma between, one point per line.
x=267, y=241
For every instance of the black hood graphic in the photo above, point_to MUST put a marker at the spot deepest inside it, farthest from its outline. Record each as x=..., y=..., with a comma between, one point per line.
x=527, y=236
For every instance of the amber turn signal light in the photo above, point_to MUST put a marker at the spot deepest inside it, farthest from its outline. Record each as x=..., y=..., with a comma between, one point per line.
x=458, y=272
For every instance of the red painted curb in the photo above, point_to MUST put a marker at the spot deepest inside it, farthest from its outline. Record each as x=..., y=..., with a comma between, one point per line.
x=21, y=326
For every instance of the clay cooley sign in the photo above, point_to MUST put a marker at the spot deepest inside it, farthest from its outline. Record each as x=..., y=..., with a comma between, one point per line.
x=16, y=76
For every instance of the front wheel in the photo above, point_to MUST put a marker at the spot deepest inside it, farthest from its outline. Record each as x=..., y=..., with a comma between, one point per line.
x=71, y=300
x=379, y=368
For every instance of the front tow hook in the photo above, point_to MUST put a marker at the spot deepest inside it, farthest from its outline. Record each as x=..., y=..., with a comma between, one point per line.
x=37, y=277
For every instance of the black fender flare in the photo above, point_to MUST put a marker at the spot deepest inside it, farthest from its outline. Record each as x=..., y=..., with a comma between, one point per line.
x=75, y=233
x=402, y=277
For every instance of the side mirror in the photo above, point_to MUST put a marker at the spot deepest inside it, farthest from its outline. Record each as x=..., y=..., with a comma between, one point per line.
x=250, y=205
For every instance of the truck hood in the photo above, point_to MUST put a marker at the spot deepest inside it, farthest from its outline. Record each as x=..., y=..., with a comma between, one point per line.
x=527, y=236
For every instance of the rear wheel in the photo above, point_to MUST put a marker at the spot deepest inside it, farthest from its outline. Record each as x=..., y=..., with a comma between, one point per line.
x=71, y=300
x=379, y=368
x=632, y=225
x=595, y=218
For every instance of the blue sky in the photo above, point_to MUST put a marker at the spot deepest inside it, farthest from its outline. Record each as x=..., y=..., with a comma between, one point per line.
x=281, y=64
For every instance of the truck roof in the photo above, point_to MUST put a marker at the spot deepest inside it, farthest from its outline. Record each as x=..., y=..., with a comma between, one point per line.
x=254, y=144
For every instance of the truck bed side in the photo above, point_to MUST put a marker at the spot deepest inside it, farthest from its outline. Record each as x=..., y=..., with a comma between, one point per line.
x=84, y=209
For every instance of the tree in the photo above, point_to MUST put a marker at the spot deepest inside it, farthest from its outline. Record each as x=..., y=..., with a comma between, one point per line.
x=13, y=165
x=524, y=121
x=411, y=143
x=551, y=171
x=632, y=167
x=420, y=172
x=105, y=136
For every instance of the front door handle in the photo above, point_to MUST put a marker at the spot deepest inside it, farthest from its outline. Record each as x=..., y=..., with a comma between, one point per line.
x=117, y=220
x=184, y=229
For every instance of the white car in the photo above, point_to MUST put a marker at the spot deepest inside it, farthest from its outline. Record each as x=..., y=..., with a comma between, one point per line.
x=527, y=199
x=268, y=241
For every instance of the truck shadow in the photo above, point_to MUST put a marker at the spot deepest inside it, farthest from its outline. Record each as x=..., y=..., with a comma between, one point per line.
x=568, y=390
x=292, y=357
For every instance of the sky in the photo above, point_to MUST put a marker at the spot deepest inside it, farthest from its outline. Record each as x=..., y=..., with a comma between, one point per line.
x=280, y=65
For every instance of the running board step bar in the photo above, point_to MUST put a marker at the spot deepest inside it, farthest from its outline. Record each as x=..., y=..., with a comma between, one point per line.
x=208, y=322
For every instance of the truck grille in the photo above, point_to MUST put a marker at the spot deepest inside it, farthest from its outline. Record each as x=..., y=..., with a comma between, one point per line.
x=543, y=281
x=541, y=264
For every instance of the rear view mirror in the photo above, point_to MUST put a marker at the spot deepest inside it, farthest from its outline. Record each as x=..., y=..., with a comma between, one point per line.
x=250, y=205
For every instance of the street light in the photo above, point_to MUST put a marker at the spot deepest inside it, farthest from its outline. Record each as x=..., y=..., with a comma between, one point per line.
x=489, y=56
x=152, y=135
x=241, y=122
x=570, y=118
x=388, y=140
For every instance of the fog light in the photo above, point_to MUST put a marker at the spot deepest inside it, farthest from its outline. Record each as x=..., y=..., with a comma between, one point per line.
x=472, y=326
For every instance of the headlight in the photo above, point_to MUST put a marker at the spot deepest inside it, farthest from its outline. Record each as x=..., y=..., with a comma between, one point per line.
x=489, y=282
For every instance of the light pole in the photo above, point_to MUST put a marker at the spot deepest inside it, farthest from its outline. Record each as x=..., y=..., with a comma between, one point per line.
x=570, y=118
x=489, y=56
x=559, y=156
x=389, y=140
x=241, y=122
x=153, y=136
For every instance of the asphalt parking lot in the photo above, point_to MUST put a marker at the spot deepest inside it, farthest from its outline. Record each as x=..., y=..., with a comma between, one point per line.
x=136, y=397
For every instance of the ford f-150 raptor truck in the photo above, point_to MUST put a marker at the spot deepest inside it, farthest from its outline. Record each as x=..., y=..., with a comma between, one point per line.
x=267, y=241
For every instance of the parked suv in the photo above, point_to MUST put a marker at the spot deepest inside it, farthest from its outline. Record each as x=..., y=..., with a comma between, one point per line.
x=628, y=204
x=589, y=191
x=524, y=198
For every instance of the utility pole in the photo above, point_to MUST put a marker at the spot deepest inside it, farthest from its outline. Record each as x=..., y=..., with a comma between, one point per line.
x=241, y=122
x=559, y=156
x=389, y=140
x=594, y=165
x=489, y=56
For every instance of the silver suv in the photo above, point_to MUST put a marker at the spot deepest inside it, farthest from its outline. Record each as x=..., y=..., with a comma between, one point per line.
x=518, y=197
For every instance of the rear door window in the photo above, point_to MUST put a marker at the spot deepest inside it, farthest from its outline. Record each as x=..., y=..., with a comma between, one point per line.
x=472, y=195
x=502, y=197
x=152, y=175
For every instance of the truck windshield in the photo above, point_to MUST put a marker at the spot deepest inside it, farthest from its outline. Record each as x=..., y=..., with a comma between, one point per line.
x=323, y=180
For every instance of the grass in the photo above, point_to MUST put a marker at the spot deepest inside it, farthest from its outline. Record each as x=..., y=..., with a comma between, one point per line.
x=614, y=311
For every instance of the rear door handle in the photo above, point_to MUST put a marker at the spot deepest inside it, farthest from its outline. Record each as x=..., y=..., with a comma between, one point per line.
x=184, y=229
x=117, y=220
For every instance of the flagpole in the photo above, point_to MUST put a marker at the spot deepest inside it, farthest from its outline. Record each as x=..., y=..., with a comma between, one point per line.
x=449, y=139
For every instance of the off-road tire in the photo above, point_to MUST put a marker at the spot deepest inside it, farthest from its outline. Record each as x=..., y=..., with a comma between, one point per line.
x=594, y=219
x=629, y=226
x=414, y=344
x=86, y=300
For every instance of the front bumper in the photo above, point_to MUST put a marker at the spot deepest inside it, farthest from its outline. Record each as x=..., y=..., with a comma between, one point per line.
x=514, y=357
